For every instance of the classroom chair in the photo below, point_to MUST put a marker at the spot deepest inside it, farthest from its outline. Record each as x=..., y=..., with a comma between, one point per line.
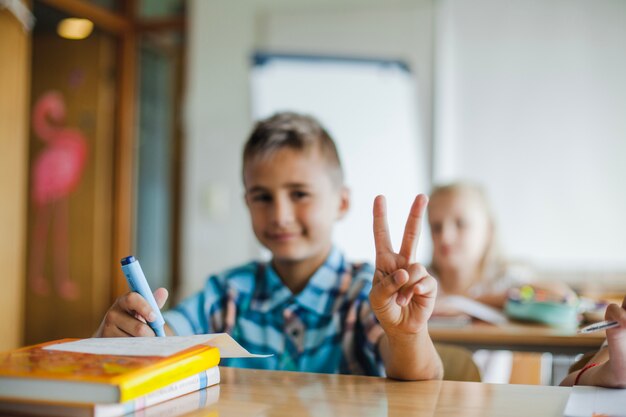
x=529, y=368
x=458, y=364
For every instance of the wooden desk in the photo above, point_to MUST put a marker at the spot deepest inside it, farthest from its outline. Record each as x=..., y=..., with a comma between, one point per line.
x=269, y=393
x=519, y=337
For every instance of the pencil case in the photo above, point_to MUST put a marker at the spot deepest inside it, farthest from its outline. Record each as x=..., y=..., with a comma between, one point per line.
x=529, y=303
x=546, y=312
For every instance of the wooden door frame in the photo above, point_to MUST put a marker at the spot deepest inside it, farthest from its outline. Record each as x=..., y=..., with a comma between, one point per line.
x=126, y=25
x=15, y=53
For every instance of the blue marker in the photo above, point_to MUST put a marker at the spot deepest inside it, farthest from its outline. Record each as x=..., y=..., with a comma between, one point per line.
x=137, y=282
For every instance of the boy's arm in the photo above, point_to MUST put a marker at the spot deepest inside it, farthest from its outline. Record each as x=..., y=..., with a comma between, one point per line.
x=610, y=368
x=410, y=358
x=402, y=298
x=406, y=348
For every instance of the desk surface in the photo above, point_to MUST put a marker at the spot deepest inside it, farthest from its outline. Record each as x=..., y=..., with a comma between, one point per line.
x=521, y=337
x=269, y=393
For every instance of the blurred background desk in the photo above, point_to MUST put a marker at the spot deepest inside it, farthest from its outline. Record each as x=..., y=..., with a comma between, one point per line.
x=518, y=337
x=270, y=393
x=541, y=354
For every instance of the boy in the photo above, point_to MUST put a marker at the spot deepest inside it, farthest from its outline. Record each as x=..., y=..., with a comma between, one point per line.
x=607, y=367
x=308, y=306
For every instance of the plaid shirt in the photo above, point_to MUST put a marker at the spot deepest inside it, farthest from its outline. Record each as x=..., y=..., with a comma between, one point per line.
x=328, y=327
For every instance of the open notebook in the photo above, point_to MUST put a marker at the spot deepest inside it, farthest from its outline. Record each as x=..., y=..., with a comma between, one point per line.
x=476, y=309
x=155, y=346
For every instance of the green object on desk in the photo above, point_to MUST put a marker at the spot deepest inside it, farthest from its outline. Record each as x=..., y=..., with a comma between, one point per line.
x=547, y=312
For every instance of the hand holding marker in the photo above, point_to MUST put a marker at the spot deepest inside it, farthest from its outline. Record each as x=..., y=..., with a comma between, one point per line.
x=137, y=283
x=602, y=325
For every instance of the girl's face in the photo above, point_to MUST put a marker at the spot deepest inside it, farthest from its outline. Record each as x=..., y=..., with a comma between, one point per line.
x=460, y=229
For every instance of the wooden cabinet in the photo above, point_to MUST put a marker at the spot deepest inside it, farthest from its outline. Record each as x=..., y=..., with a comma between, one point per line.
x=70, y=263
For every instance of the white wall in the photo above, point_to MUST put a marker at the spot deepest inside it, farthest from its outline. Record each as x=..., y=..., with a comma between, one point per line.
x=214, y=220
x=531, y=102
x=222, y=36
x=395, y=30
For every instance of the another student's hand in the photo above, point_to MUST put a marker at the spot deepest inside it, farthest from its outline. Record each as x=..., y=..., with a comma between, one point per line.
x=616, y=338
x=128, y=316
x=403, y=293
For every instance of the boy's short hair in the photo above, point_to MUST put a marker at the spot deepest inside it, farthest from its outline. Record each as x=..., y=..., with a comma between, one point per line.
x=296, y=131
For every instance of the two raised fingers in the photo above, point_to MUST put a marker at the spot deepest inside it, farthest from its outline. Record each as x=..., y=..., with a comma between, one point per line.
x=382, y=242
x=412, y=229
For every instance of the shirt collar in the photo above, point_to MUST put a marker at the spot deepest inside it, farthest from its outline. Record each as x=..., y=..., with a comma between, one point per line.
x=319, y=294
x=323, y=287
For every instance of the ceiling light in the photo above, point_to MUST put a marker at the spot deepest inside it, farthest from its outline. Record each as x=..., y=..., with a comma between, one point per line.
x=74, y=28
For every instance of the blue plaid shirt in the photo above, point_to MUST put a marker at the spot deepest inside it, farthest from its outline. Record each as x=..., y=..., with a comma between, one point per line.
x=328, y=327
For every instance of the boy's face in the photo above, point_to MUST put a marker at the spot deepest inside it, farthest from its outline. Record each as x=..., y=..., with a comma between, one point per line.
x=293, y=203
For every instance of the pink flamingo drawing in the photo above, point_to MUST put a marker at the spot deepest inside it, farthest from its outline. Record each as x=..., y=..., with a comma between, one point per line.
x=56, y=173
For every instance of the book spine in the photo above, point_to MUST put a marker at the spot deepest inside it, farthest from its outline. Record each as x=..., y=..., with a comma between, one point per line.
x=159, y=377
x=185, y=386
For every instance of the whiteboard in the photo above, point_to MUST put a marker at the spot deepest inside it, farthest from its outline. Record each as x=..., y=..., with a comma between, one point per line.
x=370, y=109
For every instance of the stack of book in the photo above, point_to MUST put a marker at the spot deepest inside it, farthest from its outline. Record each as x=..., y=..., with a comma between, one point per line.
x=36, y=380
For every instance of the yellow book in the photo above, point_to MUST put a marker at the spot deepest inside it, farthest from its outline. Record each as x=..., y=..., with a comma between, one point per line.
x=35, y=373
x=148, y=405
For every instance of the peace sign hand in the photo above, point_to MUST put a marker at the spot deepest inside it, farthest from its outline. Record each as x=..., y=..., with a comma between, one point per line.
x=403, y=293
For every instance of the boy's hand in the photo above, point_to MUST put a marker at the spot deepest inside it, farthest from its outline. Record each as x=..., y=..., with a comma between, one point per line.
x=128, y=316
x=616, y=338
x=403, y=293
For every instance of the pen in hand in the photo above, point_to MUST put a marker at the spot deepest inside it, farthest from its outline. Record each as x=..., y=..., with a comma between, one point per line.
x=138, y=283
x=601, y=325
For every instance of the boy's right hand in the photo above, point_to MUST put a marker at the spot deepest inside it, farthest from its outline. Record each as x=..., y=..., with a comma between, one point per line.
x=403, y=292
x=129, y=314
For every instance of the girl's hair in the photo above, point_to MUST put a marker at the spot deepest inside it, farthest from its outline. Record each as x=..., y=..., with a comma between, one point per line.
x=493, y=263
